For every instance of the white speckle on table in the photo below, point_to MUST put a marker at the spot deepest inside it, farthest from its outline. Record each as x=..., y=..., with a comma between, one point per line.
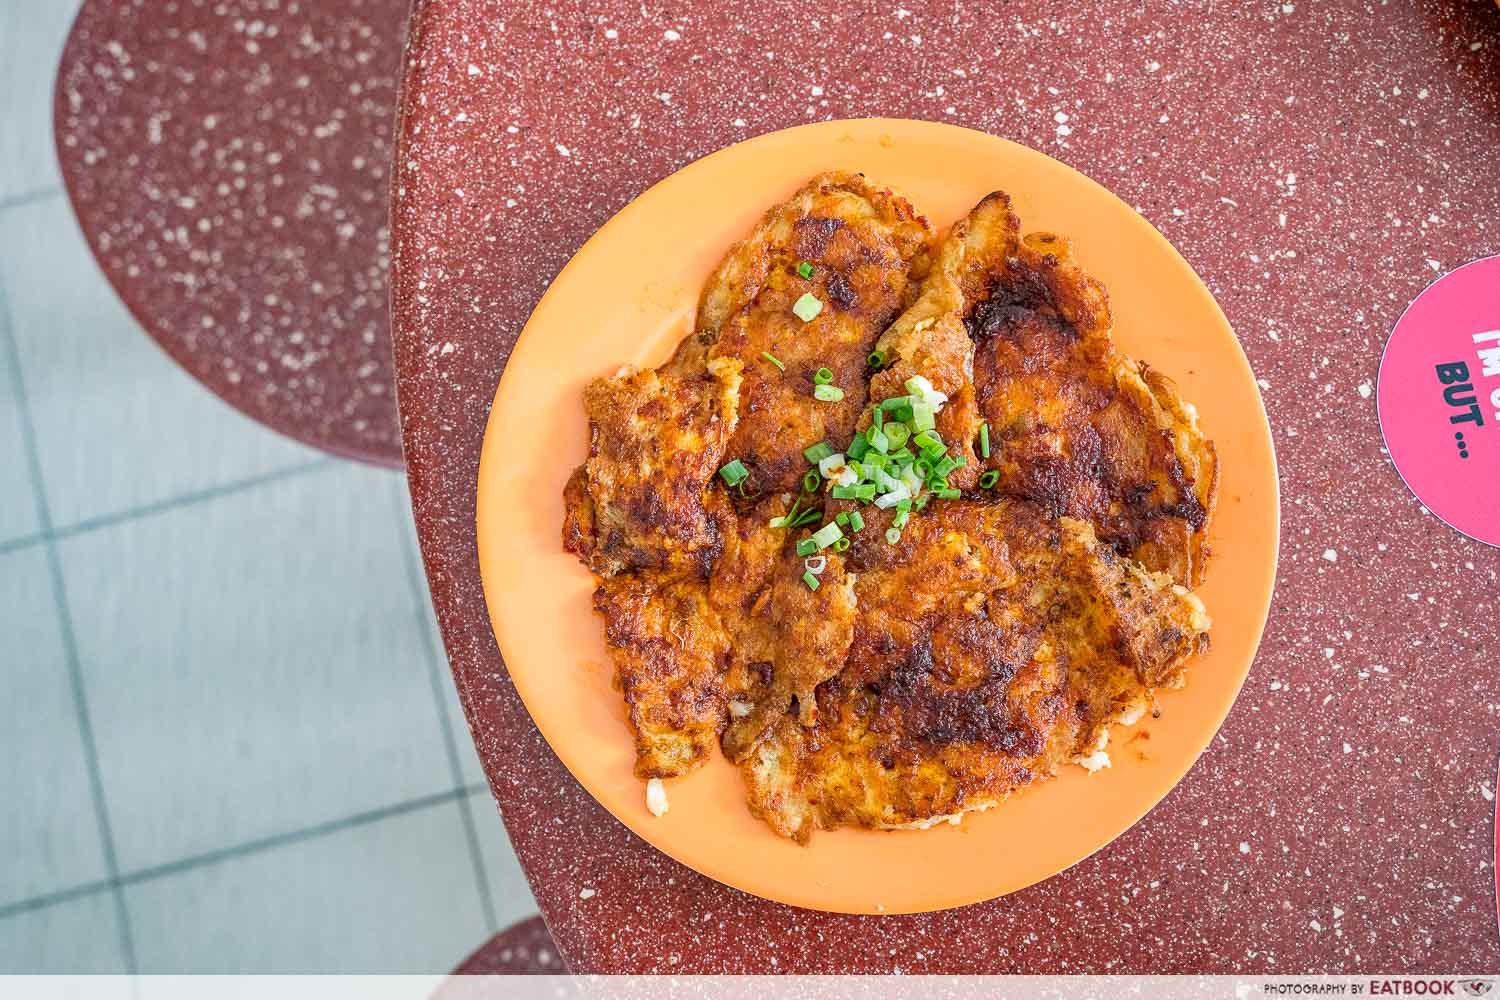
x=1332, y=555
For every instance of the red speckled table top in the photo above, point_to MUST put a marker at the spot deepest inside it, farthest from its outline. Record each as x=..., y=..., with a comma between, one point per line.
x=1317, y=163
x=229, y=162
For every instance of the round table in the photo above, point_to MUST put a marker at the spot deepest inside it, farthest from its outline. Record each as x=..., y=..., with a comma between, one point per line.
x=1318, y=164
x=229, y=163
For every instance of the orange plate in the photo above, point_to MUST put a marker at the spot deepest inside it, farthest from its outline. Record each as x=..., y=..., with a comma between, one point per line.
x=628, y=297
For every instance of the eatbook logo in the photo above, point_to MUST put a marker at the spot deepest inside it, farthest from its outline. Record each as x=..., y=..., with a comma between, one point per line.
x=1476, y=987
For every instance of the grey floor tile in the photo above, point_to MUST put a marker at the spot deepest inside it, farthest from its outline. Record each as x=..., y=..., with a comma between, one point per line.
x=509, y=892
x=396, y=895
x=470, y=770
x=80, y=936
x=254, y=665
x=118, y=424
x=17, y=495
x=31, y=40
x=49, y=834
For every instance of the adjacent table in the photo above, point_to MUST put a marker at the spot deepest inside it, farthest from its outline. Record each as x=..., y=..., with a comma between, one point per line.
x=1317, y=163
x=229, y=162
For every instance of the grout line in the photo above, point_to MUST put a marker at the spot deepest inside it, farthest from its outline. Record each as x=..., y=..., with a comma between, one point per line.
x=240, y=850
x=188, y=499
x=291, y=837
x=53, y=898
x=24, y=542
x=416, y=583
x=29, y=197
x=65, y=627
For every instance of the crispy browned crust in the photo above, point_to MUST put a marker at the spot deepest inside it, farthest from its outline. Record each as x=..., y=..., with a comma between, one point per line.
x=994, y=644
x=667, y=644
x=1003, y=634
x=642, y=500
x=868, y=247
x=1020, y=337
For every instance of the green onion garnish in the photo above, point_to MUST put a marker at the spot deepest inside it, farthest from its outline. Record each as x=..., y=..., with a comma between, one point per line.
x=806, y=547
x=822, y=376
x=842, y=519
x=845, y=493
x=818, y=452
x=984, y=439
x=828, y=393
x=856, y=521
x=899, y=521
x=947, y=494
x=928, y=441
x=893, y=535
x=842, y=545
x=810, y=481
x=810, y=580
x=807, y=307
x=876, y=360
x=895, y=402
x=877, y=439
x=858, y=448
x=947, y=465
x=989, y=479
x=921, y=416
x=735, y=473
x=807, y=517
x=897, y=434
x=921, y=501
x=865, y=492
x=827, y=535
x=789, y=519
x=805, y=269
x=773, y=359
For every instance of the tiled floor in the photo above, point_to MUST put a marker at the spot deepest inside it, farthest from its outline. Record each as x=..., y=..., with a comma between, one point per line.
x=228, y=739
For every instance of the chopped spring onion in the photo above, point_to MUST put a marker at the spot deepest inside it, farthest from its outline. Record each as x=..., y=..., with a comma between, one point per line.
x=843, y=519
x=947, y=465
x=895, y=496
x=815, y=564
x=842, y=545
x=856, y=521
x=921, y=416
x=876, y=360
x=859, y=447
x=827, y=535
x=806, y=547
x=929, y=441
x=895, y=402
x=807, y=307
x=947, y=494
x=773, y=359
x=893, y=535
x=735, y=473
x=811, y=481
x=789, y=519
x=817, y=452
x=899, y=521
x=828, y=393
x=830, y=465
x=807, y=517
x=823, y=376
x=877, y=439
x=845, y=493
x=805, y=269
x=810, y=580
x=989, y=479
x=897, y=433
x=984, y=440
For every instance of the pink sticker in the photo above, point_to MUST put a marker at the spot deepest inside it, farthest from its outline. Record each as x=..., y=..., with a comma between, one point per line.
x=1439, y=398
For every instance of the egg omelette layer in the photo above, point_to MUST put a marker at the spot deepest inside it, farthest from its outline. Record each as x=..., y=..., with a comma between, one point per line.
x=896, y=527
